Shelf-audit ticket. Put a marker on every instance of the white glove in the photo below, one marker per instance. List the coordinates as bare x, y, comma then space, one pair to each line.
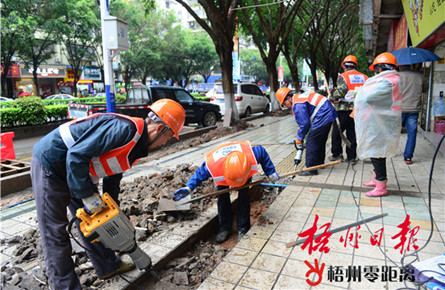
93, 204
274, 177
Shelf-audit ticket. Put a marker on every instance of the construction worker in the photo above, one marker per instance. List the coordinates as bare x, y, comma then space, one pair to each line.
378, 119
231, 164
314, 114
343, 98
65, 168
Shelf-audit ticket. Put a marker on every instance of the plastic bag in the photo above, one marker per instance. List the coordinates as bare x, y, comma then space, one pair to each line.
378, 116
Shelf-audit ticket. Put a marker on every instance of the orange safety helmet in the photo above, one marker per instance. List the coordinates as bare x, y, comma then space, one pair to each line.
237, 168
281, 94
385, 57
349, 58
171, 113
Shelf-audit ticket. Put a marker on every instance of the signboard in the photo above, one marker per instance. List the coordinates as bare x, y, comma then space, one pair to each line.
280, 73
14, 71
423, 18
306, 69
390, 39
91, 73
44, 71
401, 34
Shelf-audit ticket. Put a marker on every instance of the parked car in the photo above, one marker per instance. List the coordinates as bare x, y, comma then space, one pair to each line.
4, 99
59, 97
140, 97
248, 99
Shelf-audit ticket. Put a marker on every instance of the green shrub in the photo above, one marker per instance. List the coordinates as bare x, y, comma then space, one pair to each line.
32, 111
120, 98
6, 104
57, 112
9, 116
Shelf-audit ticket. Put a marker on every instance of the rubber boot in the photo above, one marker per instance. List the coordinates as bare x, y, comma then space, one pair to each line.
379, 190
371, 183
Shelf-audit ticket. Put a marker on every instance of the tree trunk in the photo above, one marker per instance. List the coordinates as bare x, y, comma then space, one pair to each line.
274, 86
36, 81
4, 85
231, 115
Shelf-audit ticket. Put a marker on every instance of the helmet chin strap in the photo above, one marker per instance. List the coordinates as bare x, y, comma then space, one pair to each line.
159, 135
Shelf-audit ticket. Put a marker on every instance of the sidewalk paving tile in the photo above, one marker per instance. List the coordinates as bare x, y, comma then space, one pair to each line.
258, 279
228, 272
241, 256
269, 263
287, 282
211, 284
295, 268
276, 248
251, 243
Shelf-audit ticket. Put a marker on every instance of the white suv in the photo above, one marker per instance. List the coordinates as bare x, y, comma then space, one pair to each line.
248, 99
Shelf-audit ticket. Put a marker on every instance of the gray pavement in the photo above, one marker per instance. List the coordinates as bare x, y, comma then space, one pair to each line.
261, 260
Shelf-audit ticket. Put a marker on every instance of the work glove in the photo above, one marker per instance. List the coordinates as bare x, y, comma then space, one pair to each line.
181, 193
300, 146
93, 204
274, 177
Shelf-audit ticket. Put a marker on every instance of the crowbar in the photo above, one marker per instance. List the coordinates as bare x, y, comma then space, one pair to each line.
294, 243
216, 193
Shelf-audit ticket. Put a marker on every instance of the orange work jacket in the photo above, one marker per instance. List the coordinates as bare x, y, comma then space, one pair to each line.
215, 159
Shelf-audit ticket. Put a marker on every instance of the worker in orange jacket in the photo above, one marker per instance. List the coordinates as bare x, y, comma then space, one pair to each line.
343, 98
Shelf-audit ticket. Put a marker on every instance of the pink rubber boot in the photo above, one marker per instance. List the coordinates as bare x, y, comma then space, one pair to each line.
379, 190
371, 183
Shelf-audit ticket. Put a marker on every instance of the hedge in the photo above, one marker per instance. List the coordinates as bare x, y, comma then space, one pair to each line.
35, 111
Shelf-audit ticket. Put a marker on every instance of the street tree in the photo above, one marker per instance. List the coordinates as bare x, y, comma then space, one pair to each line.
203, 55
220, 25
13, 37
291, 48
269, 26
342, 36
77, 34
253, 65
44, 19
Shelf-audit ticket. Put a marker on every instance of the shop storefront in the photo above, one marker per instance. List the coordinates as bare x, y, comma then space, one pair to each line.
90, 81
48, 78
426, 26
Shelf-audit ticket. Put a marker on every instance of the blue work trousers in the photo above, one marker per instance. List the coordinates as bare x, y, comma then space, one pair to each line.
225, 216
316, 145
409, 120
52, 197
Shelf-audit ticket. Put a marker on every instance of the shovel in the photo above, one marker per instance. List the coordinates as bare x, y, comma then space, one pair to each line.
170, 205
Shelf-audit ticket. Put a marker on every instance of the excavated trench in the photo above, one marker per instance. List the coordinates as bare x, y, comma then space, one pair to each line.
139, 201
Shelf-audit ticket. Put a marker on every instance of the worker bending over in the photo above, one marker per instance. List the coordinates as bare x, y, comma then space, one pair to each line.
343, 97
231, 164
314, 114
66, 166
378, 119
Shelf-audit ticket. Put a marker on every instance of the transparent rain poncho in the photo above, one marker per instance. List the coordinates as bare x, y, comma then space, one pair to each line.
378, 116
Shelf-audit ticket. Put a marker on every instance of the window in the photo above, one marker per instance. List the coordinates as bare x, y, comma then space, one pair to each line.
161, 93
167, 4
183, 97
219, 89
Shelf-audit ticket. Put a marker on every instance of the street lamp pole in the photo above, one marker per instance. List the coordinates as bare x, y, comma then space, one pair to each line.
107, 59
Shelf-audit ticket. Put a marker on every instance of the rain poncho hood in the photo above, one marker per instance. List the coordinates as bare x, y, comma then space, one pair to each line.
378, 116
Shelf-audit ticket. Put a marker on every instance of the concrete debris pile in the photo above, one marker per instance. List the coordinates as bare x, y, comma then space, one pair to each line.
194, 267
138, 200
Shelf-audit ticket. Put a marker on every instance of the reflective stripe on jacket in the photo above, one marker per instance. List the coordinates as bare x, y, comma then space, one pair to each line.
353, 79
110, 163
312, 98
215, 159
